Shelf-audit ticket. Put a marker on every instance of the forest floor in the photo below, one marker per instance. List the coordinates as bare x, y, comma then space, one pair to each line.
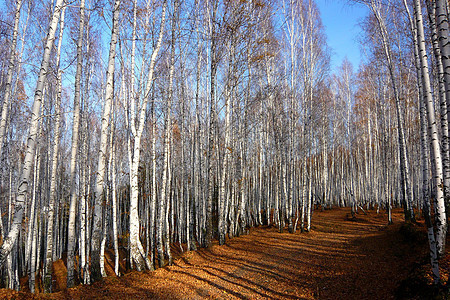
340, 258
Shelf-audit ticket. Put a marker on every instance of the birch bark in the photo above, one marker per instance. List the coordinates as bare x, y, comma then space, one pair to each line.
441, 221
426, 193
212, 125
137, 253
431, 8
9, 75
71, 238
104, 143
50, 216
27, 167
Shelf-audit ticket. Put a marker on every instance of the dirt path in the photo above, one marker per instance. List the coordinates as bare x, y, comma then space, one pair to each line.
339, 259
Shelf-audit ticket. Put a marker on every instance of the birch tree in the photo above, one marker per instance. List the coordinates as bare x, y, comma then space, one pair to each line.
56, 141
212, 123
27, 167
441, 221
9, 75
102, 153
137, 123
74, 151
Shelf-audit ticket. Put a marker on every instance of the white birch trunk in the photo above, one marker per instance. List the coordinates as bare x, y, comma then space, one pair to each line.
32, 227
71, 239
431, 7
84, 268
137, 253
441, 221
227, 151
25, 177
9, 75
114, 209
212, 120
104, 143
51, 213
443, 31
426, 193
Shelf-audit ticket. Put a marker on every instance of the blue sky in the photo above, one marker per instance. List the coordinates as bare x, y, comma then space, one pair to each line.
341, 26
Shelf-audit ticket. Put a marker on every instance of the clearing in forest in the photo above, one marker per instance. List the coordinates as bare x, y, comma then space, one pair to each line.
340, 259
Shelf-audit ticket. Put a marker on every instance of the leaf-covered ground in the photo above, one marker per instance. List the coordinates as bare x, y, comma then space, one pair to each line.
340, 259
